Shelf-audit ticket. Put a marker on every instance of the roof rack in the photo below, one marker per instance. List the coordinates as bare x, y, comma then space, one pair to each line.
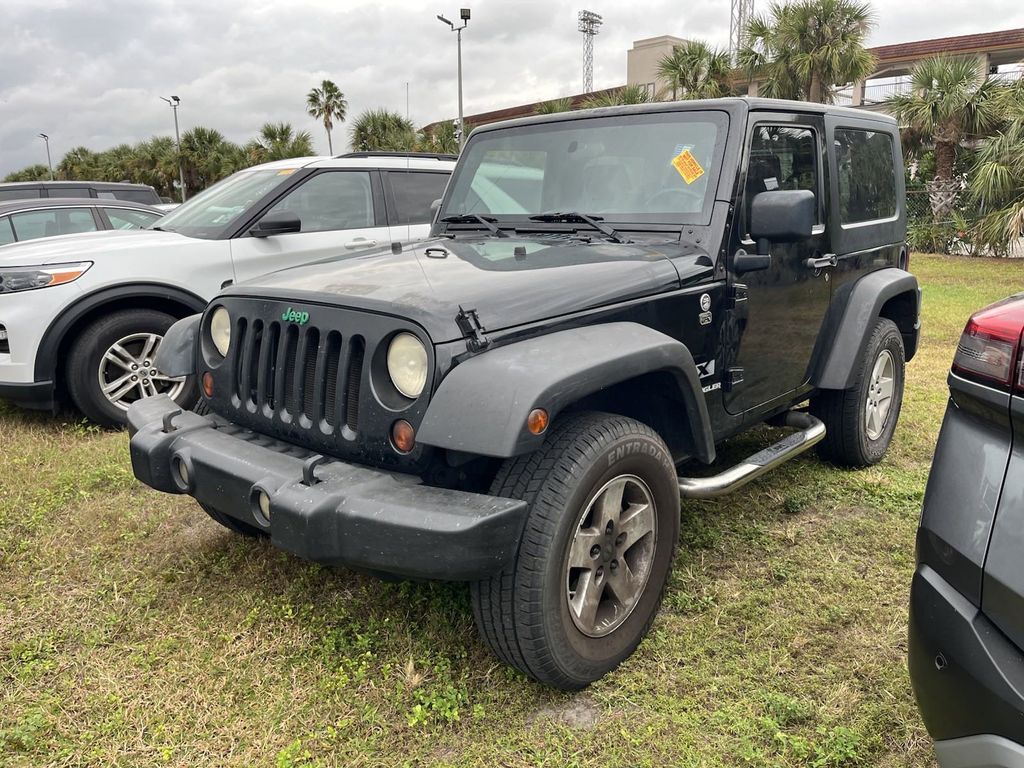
423, 155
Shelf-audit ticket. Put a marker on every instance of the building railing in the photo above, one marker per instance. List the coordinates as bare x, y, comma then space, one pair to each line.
880, 91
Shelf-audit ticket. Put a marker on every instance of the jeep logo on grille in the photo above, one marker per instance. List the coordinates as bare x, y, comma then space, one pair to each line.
294, 316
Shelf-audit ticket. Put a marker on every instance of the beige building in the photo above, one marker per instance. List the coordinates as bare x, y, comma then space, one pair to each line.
642, 62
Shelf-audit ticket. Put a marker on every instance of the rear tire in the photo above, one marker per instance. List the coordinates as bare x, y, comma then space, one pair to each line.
583, 538
860, 421
93, 363
236, 526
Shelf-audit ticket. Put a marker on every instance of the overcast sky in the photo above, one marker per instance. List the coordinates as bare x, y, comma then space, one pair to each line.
91, 72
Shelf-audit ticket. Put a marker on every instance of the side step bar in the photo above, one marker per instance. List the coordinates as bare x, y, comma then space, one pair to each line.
811, 431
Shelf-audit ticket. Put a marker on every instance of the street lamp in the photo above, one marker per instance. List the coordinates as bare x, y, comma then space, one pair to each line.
464, 16
174, 101
49, 164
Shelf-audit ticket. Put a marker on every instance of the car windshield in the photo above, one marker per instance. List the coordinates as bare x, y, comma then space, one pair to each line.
210, 213
634, 168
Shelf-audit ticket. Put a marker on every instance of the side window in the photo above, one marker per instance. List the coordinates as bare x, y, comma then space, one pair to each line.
414, 192
867, 175
20, 193
69, 192
6, 233
781, 157
331, 200
54, 221
125, 218
144, 196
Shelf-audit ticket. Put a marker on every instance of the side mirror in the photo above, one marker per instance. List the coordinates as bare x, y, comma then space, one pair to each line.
276, 223
434, 206
782, 216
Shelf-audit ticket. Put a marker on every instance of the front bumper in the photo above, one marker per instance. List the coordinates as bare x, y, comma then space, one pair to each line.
337, 512
37, 395
968, 678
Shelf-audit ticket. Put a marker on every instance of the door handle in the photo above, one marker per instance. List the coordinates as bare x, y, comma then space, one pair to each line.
828, 260
360, 242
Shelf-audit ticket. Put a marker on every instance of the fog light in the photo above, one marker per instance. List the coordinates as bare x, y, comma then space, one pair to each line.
403, 436
264, 501
182, 471
208, 384
537, 421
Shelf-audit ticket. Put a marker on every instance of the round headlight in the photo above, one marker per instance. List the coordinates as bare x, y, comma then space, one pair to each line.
220, 330
407, 364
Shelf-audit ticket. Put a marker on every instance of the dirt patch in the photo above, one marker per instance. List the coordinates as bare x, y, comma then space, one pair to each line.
580, 713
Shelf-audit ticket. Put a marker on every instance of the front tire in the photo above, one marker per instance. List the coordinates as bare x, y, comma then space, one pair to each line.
860, 421
595, 553
233, 525
111, 366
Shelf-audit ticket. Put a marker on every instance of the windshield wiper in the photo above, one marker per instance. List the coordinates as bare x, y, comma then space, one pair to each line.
593, 221
469, 218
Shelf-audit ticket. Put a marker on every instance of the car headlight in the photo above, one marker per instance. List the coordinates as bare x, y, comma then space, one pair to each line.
220, 330
13, 279
407, 364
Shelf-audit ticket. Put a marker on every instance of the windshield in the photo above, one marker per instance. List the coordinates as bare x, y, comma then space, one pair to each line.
212, 211
638, 168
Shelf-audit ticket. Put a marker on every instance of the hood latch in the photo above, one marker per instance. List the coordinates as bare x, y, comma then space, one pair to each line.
472, 330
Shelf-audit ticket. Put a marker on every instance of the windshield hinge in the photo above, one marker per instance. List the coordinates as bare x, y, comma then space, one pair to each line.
472, 330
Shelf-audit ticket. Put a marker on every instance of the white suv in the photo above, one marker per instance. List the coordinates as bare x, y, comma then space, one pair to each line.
82, 315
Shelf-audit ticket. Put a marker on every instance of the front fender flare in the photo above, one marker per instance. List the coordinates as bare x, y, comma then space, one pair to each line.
482, 405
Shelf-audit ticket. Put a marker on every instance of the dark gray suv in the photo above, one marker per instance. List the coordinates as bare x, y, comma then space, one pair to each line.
967, 599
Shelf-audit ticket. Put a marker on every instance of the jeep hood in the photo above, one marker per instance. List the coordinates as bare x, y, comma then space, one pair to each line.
508, 281
84, 246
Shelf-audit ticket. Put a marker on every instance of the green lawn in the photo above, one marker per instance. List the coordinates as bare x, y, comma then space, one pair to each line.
134, 631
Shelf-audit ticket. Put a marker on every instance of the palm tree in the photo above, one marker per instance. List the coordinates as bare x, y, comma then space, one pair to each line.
31, 173
997, 183
617, 97
950, 99
695, 70
383, 130
78, 163
555, 106
803, 49
442, 139
279, 141
208, 157
327, 104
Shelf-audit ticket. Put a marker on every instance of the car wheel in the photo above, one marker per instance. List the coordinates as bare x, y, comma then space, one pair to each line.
594, 555
237, 526
860, 421
111, 366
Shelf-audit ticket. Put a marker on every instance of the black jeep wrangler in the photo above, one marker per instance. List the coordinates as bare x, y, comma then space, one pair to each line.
607, 296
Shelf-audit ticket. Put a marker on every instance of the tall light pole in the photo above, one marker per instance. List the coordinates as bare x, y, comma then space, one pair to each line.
589, 23
49, 164
464, 16
174, 101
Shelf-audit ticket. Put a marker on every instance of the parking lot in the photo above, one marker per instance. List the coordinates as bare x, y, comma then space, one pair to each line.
135, 631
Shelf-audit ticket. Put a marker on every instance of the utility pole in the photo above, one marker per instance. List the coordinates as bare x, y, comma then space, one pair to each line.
174, 101
49, 164
464, 16
589, 24
742, 12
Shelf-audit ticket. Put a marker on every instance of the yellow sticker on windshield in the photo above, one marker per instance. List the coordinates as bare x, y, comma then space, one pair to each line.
687, 166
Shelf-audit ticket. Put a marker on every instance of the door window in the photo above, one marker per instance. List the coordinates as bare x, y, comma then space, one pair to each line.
20, 193
867, 175
125, 218
331, 201
782, 157
69, 192
6, 233
53, 221
413, 192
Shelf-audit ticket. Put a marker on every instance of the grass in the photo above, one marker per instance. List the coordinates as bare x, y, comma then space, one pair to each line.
136, 632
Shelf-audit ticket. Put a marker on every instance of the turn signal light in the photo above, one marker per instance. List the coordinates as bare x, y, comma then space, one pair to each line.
208, 384
537, 421
403, 436
990, 346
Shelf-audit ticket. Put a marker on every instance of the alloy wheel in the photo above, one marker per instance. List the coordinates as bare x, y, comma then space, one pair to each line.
880, 395
127, 371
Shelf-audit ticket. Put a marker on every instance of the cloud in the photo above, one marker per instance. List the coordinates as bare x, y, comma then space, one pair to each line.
91, 72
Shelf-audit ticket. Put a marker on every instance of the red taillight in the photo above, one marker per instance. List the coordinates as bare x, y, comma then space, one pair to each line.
990, 347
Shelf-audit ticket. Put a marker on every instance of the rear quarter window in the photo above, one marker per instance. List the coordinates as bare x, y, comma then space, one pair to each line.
413, 193
146, 196
867, 175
